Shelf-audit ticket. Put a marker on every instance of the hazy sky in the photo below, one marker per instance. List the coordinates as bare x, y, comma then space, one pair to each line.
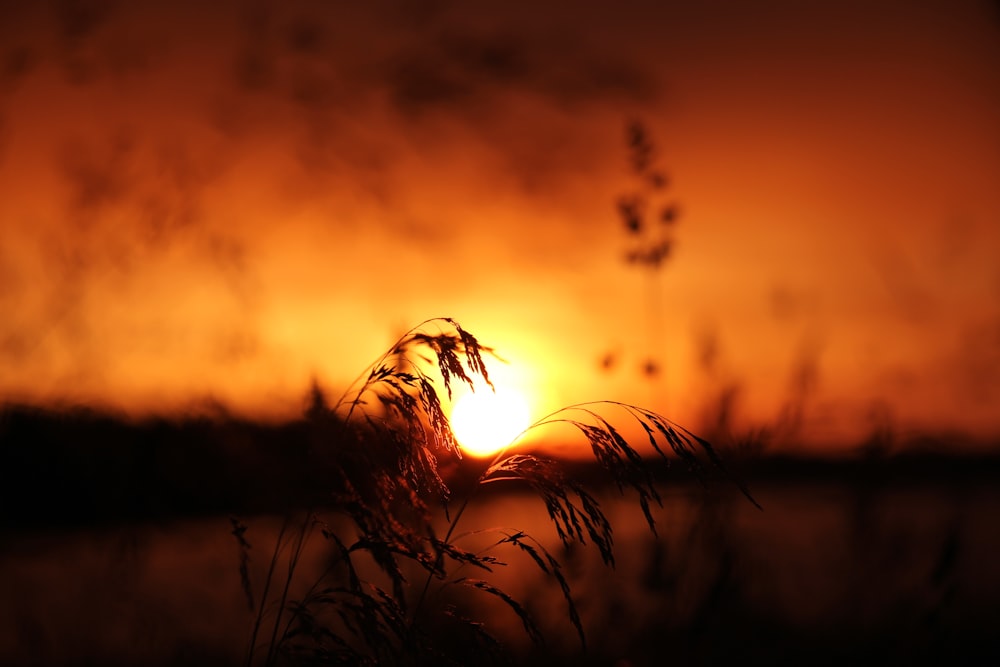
223, 203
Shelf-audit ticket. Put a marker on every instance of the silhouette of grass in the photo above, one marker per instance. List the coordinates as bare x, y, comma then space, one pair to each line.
392, 584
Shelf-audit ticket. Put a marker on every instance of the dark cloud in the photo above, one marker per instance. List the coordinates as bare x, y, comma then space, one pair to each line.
454, 70
442, 66
172, 196
77, 23
306, 35
78, 20
419, 82
96, 173
158, 183
15, 63
87, 40
298, 55
458, 70
134, 206
358, 90
254, 62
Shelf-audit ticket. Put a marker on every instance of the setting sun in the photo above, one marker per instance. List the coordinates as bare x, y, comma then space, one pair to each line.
486, 421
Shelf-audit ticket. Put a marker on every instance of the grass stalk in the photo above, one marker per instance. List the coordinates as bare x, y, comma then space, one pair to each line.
389, 484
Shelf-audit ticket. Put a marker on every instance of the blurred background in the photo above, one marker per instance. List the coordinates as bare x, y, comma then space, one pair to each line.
217, 205
776, 223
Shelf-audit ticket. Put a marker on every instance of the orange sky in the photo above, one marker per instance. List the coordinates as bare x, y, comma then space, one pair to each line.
225, 203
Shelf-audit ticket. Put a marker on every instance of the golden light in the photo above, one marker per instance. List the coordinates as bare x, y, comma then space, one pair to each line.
485, 421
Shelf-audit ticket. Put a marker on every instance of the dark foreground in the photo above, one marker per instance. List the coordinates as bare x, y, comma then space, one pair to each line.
116, 551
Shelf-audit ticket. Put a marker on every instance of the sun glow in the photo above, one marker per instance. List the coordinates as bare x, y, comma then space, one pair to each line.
485, 421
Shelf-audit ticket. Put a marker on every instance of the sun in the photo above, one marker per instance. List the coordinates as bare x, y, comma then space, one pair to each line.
485, 421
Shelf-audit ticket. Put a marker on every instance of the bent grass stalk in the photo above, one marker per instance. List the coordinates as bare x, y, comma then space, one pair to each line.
390, 431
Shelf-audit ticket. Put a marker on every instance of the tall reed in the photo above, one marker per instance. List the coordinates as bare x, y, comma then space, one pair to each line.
381, 598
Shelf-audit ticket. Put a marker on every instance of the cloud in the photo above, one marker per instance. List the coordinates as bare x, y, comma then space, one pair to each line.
210, 184
460, 71
16, 62
333, 65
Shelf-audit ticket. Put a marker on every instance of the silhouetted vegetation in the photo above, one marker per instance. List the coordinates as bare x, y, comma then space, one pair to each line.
394, 580
648, 218
116, 557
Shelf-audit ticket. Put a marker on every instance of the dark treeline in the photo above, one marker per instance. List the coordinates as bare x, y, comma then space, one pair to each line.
61, 469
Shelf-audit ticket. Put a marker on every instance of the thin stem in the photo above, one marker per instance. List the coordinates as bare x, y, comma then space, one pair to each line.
655, 337
452, 525
267, 586
319, 580
292, 566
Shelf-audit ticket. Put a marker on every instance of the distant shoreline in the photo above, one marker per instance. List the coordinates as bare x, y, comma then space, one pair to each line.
81, 468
